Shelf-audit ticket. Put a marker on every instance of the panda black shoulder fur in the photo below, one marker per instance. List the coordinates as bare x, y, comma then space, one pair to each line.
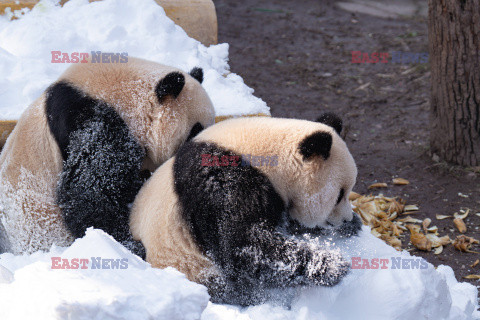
78, 153
223, 224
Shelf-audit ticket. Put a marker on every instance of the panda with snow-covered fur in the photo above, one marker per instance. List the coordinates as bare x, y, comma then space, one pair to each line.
78, 154
232, 226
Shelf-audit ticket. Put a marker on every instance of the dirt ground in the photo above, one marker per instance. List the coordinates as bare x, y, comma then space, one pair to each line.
297, 56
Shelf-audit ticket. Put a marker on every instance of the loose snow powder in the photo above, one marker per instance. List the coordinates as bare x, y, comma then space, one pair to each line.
32, 287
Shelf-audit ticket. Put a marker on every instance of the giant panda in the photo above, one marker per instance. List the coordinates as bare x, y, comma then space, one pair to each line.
81, 151
235, 225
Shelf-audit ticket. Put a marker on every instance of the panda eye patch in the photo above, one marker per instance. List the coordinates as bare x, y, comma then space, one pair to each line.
340, 196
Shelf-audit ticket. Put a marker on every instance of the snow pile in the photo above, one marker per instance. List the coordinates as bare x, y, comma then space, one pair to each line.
135, 292
141, 292
139, 28
412, 293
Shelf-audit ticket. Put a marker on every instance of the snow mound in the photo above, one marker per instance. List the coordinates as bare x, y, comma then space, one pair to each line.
135, 292
139, 28
413, 289
141, 292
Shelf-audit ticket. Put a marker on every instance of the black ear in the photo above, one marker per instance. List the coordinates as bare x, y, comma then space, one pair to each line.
332, 120
172, 84
197, 73
316, 144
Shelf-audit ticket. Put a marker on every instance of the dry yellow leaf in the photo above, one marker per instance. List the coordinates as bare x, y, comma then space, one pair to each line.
473, 276
353, 196
381, 214
438, 250
441, 217
396, 231
413, 228
410, 212
400, 181
378, 185
460, 225
367, 207
410, 220
393, 216
375, 233
461, 216
420, 241
387, 199
475, 263
393, 241
381, 204
395, 206
366, 218
426, 223
436, 241
364, 199
464, 243
433, 229
411, 207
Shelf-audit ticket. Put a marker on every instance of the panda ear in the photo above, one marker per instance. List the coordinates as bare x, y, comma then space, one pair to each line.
172, 84
332, 120
317, 144
197, 73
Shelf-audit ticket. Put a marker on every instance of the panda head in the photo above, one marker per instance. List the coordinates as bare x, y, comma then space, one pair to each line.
162, 106
327, 173
314, 171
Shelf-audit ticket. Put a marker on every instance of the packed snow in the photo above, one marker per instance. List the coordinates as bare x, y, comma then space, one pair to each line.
125, 287
140, 28
135, 291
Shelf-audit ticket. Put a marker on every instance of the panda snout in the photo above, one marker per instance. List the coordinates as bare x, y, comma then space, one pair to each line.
335, 223
350, 218
339, 219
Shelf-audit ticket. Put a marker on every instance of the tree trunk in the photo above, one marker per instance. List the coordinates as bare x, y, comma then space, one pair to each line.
454, 40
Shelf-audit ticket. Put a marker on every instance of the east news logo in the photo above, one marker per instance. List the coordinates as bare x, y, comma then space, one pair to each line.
393, 263
383, 57
97, 57
92, 263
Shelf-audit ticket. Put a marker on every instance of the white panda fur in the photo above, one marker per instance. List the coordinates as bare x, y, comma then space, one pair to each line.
31, 161
306, 187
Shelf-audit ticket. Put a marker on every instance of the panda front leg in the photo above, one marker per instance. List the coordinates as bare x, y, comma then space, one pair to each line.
269, 259
276, 260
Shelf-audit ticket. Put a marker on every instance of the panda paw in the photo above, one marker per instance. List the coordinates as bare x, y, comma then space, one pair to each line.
327, 268
350, 228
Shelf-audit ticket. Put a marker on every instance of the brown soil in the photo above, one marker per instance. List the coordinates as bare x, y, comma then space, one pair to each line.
297, 57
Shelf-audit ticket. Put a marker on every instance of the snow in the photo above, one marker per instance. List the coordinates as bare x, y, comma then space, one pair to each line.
138, 27
137, 292
30, 288
142, 292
